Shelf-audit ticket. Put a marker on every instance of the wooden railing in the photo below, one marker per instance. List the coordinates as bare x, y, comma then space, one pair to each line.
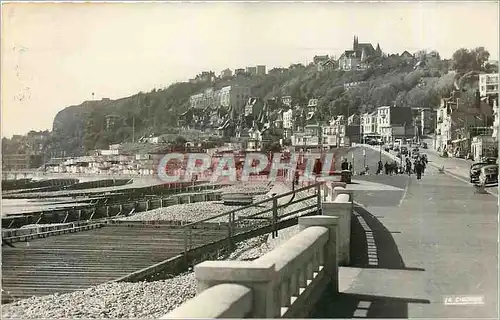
273, 210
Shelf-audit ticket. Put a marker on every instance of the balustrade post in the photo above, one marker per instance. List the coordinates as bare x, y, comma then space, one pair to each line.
318, 194
330, 250
275, 216
341, 208
261, 278
185, 245
230, 223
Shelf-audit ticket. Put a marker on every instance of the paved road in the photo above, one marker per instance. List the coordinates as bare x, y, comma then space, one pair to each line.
372, 189
439, 238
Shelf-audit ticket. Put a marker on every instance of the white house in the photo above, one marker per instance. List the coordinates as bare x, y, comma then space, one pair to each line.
288, 119
369, 125
488, 84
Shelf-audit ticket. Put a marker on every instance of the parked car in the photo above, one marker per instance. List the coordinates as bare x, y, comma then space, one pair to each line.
490, 160
475, 171
387, 148
396, 148
489, 175
424, 145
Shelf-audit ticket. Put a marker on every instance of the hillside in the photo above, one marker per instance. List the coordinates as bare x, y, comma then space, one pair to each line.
388, 80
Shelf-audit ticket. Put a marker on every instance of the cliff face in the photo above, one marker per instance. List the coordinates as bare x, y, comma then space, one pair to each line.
68, 130
77, 129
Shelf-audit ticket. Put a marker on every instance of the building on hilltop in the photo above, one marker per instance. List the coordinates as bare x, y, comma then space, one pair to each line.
261, 70
226, 73
329, 64
358, 57
407, 56
319, 59
252, 70
239, 72
324, 62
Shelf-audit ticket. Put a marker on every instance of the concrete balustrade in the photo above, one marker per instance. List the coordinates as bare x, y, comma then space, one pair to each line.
235, 301
286, 282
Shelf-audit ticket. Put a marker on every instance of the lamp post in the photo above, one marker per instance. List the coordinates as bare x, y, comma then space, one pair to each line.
364, 158
380, 144
380, 152
352, 156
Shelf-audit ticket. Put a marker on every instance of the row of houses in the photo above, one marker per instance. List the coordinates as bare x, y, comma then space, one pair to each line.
385, 123
113, 161
390, 123
463, 129
209, 76
235, 96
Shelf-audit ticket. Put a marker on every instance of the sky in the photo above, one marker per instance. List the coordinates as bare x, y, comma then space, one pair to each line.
56, 55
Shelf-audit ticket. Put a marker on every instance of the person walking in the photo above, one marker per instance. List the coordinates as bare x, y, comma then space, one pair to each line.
386, 166
318, 166
344, 165
380, 167
350, 166
408, 166
418, 169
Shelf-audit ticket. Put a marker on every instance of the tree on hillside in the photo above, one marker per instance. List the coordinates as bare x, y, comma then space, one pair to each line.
383, 95
465, 60
180, 141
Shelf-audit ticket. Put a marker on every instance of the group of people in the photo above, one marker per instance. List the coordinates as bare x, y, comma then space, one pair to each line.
393, 167
390, 168
417, 167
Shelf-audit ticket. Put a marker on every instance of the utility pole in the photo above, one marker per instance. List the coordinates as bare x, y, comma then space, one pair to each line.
380, 152
364, 159
133, 128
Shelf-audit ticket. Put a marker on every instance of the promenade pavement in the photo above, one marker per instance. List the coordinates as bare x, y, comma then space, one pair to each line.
411, 249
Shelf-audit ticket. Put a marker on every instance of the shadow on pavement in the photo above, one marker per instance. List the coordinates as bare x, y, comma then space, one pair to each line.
387, 250
348, 305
